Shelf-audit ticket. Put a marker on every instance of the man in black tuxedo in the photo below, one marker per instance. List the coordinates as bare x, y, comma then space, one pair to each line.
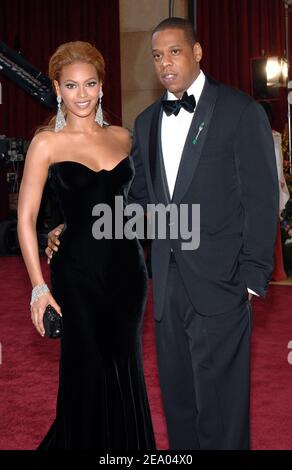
213, 147
216, 150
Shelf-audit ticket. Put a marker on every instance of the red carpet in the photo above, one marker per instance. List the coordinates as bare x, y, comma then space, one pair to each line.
29, 368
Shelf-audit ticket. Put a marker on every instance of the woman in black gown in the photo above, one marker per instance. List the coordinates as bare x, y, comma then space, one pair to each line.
99, 286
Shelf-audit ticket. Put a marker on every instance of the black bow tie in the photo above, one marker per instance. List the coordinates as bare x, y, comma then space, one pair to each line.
187, 102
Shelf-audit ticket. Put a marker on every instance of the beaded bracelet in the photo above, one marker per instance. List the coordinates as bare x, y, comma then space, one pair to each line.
38, 291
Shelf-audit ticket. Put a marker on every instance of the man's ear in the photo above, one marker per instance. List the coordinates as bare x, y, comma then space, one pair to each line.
197, 52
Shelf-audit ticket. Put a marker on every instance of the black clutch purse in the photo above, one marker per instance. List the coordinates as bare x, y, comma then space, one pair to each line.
53, 323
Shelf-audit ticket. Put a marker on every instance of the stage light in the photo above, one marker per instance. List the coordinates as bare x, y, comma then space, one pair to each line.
277, 72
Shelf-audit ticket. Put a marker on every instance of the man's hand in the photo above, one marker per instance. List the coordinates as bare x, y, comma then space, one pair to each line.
53, 241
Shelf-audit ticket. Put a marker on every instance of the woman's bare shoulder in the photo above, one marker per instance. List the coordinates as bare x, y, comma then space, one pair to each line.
120, 132
43, 146
43, 138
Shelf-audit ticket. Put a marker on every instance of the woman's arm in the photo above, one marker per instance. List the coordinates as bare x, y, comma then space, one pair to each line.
32, 185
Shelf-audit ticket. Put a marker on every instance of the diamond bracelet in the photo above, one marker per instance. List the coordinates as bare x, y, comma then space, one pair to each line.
38, 291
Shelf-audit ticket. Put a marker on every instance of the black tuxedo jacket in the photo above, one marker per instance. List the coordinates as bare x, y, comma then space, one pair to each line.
231, 172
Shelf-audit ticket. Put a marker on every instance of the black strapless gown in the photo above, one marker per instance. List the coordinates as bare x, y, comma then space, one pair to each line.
101, 286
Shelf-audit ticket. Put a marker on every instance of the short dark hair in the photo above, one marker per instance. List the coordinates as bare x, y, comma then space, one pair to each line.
178, 23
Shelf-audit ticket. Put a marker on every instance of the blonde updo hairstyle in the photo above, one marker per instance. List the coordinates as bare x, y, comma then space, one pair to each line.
66, 54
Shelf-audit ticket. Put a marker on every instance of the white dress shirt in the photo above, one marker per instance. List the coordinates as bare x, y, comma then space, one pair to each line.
174, 131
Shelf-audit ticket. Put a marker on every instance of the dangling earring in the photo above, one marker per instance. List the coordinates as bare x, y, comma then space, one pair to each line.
60, 118
99, 113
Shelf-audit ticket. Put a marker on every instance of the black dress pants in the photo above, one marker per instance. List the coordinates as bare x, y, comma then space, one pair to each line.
204, 372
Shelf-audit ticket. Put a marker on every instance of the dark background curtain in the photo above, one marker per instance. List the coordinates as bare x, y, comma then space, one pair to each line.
36, 28
234, 31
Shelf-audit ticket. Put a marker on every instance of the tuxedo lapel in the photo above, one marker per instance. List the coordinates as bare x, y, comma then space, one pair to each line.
195, 139
155, 122
156, 163
161, 169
